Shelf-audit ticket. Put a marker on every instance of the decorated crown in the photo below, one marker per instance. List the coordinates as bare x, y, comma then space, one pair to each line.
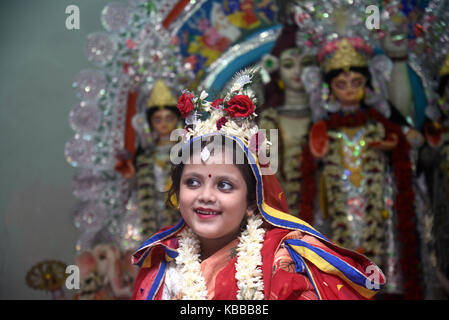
161, 96
344, 53
232, 115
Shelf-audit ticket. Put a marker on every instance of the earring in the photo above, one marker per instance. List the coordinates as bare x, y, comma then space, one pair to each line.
333, 105
281, 84
360, 94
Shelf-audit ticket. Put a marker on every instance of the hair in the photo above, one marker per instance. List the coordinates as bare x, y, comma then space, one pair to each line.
245, 170
274, 96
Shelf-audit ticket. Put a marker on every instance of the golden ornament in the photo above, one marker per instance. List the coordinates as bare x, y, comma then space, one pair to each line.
344, 58
161, 96
47, 275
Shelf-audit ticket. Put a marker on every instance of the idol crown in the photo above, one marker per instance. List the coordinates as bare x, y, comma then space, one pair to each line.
344, 53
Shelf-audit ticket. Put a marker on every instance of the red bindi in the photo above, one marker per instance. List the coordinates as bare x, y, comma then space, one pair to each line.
210, 176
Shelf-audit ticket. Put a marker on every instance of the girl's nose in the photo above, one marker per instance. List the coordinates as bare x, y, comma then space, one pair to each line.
207, 195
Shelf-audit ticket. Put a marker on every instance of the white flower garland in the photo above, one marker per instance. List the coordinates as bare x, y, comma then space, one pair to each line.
248, 266
188, 266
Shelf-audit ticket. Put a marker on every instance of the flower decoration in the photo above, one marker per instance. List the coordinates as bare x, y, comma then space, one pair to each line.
248, 267
185, 104
233, 115
221, 122
217, 103
270, 63
240, 106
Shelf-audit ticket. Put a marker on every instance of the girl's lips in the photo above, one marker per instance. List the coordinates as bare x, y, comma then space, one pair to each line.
206, 213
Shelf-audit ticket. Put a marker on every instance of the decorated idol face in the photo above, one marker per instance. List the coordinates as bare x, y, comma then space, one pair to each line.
291, 65
164, 122
348, 88
395, 42
213, 198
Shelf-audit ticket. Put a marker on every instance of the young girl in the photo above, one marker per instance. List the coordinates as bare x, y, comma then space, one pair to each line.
235, 239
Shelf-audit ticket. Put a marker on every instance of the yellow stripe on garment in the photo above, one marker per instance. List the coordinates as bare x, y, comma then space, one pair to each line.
284, 216
274, 213
312, 278
147, 262
325, 266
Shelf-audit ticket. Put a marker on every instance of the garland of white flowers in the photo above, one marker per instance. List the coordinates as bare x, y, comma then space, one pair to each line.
248, 266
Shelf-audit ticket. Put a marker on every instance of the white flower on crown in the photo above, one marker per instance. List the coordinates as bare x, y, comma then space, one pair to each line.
220, 118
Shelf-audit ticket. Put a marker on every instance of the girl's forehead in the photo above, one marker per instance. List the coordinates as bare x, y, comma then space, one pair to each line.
212, 170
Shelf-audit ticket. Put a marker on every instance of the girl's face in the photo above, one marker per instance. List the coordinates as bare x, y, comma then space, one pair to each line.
348, 88
291, 66
213, 198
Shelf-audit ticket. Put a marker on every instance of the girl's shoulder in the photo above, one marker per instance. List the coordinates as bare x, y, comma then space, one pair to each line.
326, 263
161, 243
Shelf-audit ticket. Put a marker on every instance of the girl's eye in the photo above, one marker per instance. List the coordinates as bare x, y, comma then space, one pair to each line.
224, 185
192, 183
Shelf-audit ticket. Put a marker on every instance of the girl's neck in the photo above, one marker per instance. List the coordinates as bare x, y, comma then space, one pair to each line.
210, 246
296, 98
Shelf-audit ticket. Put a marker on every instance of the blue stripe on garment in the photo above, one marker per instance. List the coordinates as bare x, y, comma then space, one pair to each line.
157, 281
350, 272
309, 274
158, 237
163, 234
297, 259
171, 253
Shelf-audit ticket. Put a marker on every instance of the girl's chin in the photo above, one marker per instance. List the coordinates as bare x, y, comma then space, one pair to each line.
208, 230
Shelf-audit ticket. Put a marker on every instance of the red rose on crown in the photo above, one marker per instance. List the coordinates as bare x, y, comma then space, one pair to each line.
240, 106
216, 103
185, 104
221, 122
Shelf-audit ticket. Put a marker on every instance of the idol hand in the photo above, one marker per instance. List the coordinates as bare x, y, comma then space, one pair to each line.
388, 144
319, 139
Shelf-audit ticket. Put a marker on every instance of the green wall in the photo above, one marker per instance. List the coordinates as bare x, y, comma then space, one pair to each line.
39, 59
